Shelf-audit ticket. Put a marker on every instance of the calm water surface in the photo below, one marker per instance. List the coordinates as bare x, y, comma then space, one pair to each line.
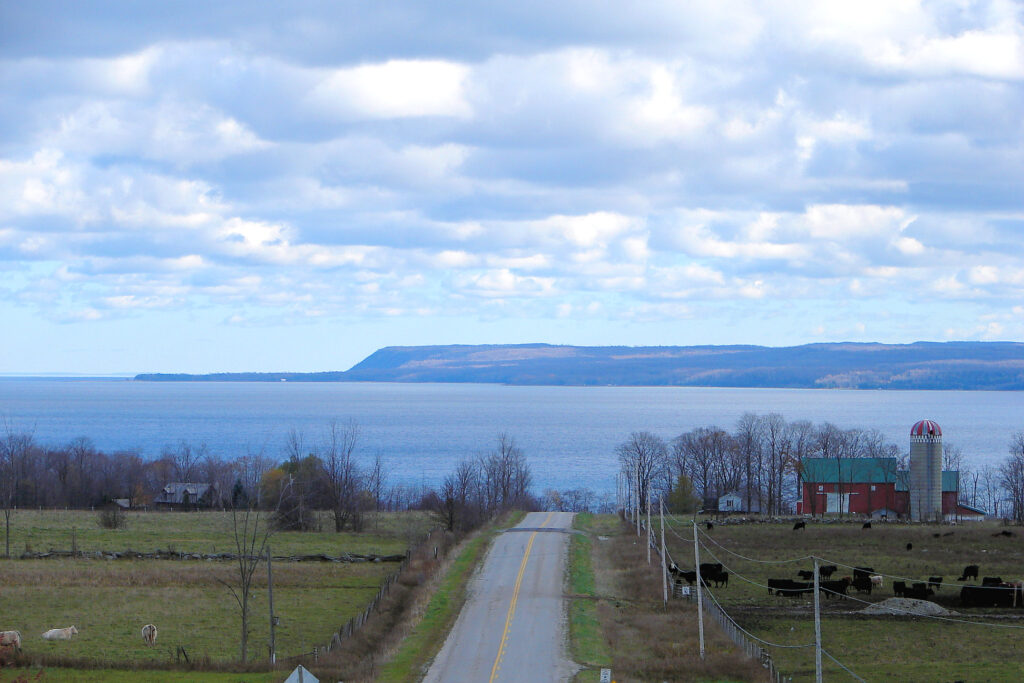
569, 434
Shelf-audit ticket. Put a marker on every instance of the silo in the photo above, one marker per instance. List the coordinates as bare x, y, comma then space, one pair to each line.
926, 472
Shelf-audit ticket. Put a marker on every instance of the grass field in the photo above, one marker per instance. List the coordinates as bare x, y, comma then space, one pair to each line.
110, 600
203, 532
929, 649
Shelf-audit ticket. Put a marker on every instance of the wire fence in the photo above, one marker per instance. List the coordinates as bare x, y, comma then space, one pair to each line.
750, 648
353, 625
743, 639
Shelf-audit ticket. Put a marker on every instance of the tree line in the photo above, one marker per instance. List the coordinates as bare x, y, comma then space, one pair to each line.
761, 459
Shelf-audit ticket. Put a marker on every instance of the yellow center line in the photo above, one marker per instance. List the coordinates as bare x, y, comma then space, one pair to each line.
515, 599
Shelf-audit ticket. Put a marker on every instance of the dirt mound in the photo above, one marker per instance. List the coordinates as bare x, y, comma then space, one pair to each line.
907, 606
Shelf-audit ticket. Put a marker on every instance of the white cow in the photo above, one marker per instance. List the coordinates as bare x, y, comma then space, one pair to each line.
876, 580
8, 638
149, 634
60, 633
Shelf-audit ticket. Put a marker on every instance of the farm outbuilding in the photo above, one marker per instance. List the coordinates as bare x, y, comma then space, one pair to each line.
866, 486
185, 496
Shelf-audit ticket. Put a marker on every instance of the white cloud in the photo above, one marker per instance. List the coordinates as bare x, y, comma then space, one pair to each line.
394, 89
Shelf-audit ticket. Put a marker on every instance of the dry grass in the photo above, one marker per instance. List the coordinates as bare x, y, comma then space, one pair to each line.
647, 641
360, 657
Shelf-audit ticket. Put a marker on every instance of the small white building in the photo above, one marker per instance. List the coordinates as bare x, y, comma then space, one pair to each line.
730, 502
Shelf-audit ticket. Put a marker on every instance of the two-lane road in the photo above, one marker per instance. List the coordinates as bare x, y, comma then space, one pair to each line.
513, 625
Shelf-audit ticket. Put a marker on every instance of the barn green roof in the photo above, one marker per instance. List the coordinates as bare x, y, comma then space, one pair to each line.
865, 471
852, 470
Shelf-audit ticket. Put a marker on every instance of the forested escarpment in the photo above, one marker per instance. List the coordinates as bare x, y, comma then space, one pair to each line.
922, 365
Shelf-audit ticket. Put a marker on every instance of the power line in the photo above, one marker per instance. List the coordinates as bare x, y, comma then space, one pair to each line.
924, 616
894, 576
751, 559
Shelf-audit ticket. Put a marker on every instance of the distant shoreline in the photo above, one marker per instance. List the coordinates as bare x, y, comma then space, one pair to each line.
948, 366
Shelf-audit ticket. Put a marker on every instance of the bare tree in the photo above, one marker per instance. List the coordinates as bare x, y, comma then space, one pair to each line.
1011, 476
506, 476
749, 434
342, 474
644, 461
185, 457
251, 534
991, 491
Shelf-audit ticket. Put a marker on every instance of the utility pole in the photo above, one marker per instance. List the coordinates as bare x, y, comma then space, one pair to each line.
817, 626
636, 507
270, 599
700, 593
664, 568
649, 533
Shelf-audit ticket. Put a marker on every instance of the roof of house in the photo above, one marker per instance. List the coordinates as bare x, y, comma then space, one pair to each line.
175, 492
866, 471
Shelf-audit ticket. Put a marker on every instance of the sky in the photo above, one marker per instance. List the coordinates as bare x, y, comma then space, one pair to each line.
268, 186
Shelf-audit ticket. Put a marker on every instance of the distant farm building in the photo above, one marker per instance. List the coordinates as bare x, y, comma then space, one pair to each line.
735, 502
876, 487
186, 496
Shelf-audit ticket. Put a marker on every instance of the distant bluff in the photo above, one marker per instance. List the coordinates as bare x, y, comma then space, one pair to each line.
921, 365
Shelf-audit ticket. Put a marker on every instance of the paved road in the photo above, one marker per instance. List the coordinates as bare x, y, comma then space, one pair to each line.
513, 626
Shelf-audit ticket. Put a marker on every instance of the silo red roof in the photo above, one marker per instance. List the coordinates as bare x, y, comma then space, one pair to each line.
926, 428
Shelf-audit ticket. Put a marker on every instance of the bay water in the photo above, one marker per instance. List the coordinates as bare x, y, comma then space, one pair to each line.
569, 434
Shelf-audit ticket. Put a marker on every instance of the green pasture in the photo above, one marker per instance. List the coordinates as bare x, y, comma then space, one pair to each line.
879, 647
110, 601
55, 675
882, 548
204, 532
890, 649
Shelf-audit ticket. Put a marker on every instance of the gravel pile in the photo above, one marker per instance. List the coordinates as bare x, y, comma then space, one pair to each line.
904, 606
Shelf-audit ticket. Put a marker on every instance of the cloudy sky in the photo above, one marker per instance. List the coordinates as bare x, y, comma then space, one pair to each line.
290, 186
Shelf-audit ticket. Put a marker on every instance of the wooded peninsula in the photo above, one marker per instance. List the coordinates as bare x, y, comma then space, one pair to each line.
921, 365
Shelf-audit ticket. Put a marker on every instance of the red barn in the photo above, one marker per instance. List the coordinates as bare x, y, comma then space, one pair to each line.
865, 486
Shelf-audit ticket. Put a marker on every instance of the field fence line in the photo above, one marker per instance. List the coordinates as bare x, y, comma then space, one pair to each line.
353, 625
130, 554
745, 641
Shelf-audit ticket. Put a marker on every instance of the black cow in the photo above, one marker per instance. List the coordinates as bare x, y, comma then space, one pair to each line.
710, 568
1004, 532
799, 525
710, 525
690, 577
898, 587
837, 587
867, 525
991, 581
922, 593
987, 596
805, 574
827, 570
789, 588
864, 572
935, 581
970, 571
910, 546
720, 579
862, 584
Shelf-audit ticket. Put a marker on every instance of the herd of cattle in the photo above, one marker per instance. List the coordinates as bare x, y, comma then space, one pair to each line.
12, 639
993, 591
